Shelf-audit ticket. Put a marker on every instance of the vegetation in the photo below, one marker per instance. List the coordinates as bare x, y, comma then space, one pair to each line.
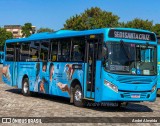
96, 18
27, 29
91, 19
4, 35
139, 23
156, 29
44, 30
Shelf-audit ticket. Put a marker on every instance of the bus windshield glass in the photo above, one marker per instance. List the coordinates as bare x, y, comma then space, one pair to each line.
130, 58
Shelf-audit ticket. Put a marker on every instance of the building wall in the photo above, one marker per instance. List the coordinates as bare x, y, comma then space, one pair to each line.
16, 30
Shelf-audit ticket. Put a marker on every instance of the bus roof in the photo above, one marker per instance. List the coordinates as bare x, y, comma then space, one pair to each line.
69, 33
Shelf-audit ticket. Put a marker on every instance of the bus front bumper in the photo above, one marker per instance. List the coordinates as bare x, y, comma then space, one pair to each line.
128, 96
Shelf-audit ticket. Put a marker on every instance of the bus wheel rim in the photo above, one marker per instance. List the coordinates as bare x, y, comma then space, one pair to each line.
78, 95
25, 88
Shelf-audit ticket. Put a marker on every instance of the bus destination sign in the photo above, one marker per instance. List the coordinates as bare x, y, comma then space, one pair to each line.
135, 35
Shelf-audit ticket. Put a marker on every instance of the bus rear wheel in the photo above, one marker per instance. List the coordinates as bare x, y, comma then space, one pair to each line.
78, 96
25, 87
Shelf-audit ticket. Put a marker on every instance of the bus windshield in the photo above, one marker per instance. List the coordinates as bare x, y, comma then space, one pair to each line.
130, 58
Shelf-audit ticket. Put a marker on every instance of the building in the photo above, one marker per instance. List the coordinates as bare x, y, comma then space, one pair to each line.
33, 29
17, 30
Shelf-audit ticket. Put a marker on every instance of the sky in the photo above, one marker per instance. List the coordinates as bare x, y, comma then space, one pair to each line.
54, 13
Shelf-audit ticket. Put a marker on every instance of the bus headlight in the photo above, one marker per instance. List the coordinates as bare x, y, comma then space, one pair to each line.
153, 88
111, 86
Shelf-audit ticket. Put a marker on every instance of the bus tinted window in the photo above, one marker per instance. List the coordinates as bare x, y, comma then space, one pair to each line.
34, 51
78, 49
54, 50
64, 50
25, 52
10, 52
44, 51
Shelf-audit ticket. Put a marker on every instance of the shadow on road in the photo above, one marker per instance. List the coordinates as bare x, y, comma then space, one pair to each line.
158, 93
43, 96
16, 91
132, 107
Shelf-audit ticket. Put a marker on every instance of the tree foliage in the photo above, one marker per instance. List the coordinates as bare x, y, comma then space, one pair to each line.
26, 29
44, 30
156, 29
142, 24
4, 35
139, 23
91, 19
96, 18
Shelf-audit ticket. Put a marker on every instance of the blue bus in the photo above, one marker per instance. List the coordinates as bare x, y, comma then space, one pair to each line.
111, 65
158, 63
1, 57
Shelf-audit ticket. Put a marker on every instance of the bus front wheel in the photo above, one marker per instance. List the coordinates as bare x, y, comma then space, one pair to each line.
25, 87
78, 96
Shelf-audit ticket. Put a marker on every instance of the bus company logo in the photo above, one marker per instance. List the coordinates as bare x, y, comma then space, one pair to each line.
6, 120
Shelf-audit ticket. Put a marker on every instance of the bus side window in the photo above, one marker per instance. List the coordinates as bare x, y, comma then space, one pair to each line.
25, 52
64, 50
78, 49
54, 50
76, 53
44, 51
34, 51
10, 52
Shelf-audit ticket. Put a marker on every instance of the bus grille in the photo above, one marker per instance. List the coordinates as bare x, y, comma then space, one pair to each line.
134, 80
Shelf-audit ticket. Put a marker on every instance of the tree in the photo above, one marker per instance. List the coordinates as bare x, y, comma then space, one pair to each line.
156, 29
44, 30
91, 19
4, 35
139, 23
26, 29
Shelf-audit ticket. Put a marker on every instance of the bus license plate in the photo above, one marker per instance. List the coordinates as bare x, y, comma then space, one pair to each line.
135, 96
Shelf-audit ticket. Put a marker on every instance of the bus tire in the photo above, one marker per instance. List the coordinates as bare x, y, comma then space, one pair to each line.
78, 96
25, 87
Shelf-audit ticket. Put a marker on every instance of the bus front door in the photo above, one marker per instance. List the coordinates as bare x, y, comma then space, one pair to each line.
91, 69
15, 66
